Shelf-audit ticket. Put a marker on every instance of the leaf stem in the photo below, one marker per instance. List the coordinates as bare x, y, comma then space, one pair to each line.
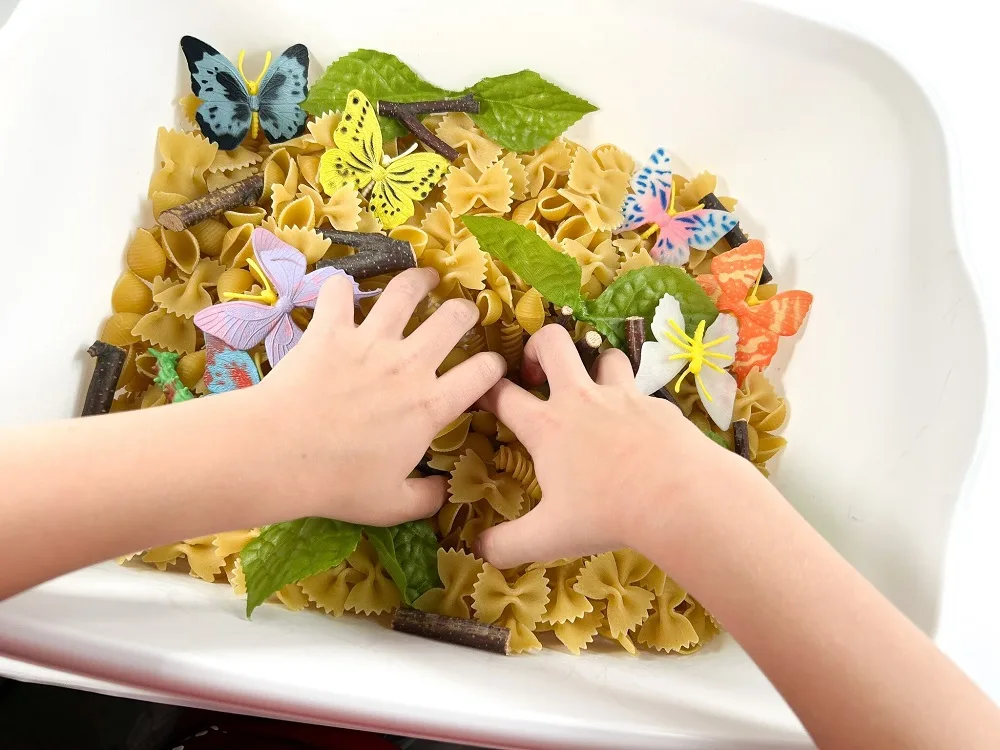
407, 113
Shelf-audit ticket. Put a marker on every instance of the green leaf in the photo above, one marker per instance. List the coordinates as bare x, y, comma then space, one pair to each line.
286, 553
638, 292
717, 438
522, 111
409, 553
557, 277
378, 75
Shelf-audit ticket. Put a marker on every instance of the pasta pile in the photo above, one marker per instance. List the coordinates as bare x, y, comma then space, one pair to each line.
568, 195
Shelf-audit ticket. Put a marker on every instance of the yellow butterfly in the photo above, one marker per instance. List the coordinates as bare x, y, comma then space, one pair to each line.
358, 161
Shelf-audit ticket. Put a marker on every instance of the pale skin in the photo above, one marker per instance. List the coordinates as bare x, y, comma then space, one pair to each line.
855, 670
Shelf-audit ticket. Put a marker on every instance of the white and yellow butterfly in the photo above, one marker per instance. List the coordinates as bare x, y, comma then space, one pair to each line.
358, 161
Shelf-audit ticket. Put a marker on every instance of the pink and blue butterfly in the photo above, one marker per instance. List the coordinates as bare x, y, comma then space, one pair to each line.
228, 369
653, 204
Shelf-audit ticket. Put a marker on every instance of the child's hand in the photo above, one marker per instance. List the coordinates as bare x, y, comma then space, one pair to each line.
617, 468
351, 409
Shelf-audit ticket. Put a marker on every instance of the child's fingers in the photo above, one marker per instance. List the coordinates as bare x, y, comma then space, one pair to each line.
418, 498
613, 368
335, 304
515, 407
550, 354
396, 304
533, 537
465, 384
439, 334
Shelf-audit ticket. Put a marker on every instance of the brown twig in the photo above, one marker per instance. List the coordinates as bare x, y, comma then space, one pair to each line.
635, 337
741, 438
377, 254
736, 236
407, 113
104, 382
470, 633
243, 193
564, 316
589, 347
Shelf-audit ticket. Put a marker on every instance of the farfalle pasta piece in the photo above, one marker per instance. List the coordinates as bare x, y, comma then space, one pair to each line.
185, 158
459, 131
131, 295
165, 330
690, 192
702, 622
292, 597
153, 396
309, 166
639, 259
610, 156
577, 228
202, 557
600, 215
374, 592
758, 404
565, 603
281, 179
192, 296
498, 281
459, 572
239, 158
543, 163
189, 104
519, 606
462, 265
598, 266
230, 543
577, 634
518, 175
342, 210
471, 480
441, 228
611, 577
624, 639
145, 256
666, 629
607, 186
330, 589
492, 190
321, 129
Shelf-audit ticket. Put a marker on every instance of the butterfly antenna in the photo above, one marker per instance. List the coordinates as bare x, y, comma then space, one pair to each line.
252, 86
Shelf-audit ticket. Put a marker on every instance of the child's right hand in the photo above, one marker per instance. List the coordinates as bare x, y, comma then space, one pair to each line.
617, 468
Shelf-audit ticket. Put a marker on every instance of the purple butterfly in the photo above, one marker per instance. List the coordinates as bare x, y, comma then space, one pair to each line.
246, 321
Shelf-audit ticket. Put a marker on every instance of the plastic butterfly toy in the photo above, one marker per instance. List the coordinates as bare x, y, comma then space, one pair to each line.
228, 369
251, 318
233, 105
653, 203
732, 285
359, 160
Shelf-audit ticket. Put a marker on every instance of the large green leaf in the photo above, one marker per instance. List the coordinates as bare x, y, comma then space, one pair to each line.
637, 293
556, 276
409, 553
378, 75
522, 111
287, 552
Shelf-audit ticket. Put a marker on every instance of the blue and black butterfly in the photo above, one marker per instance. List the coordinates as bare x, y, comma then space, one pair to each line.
233, 105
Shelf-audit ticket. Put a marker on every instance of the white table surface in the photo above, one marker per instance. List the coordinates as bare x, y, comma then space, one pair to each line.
952, 51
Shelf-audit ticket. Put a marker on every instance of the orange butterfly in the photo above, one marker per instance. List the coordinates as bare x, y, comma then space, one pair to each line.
732, 285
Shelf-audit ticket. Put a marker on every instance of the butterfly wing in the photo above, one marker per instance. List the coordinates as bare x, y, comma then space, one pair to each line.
240, 324
282, 89
783, 313
704, 227
359, 147
756, 347
738, 270
284, 265
281, 339
655, 176
224, 115
671, 248
652, 186
307, 292
407, 179
227, 369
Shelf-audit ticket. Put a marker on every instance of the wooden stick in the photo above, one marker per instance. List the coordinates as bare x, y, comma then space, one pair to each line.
470, 633
104, 382
635, 337
735, 237
377, 254
564, 317
741, 438
407, 113
243, 193
589, 347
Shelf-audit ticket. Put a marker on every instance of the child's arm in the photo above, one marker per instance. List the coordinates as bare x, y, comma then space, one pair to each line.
334, 431
623, 470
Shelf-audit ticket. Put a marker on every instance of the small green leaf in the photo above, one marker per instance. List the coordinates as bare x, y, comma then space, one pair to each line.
638, 292
378, 75
557, 277
522, 111
717, 438
409, 553
286, 553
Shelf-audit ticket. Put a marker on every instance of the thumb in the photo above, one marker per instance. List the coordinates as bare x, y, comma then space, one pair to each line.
417, 498
531, 538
